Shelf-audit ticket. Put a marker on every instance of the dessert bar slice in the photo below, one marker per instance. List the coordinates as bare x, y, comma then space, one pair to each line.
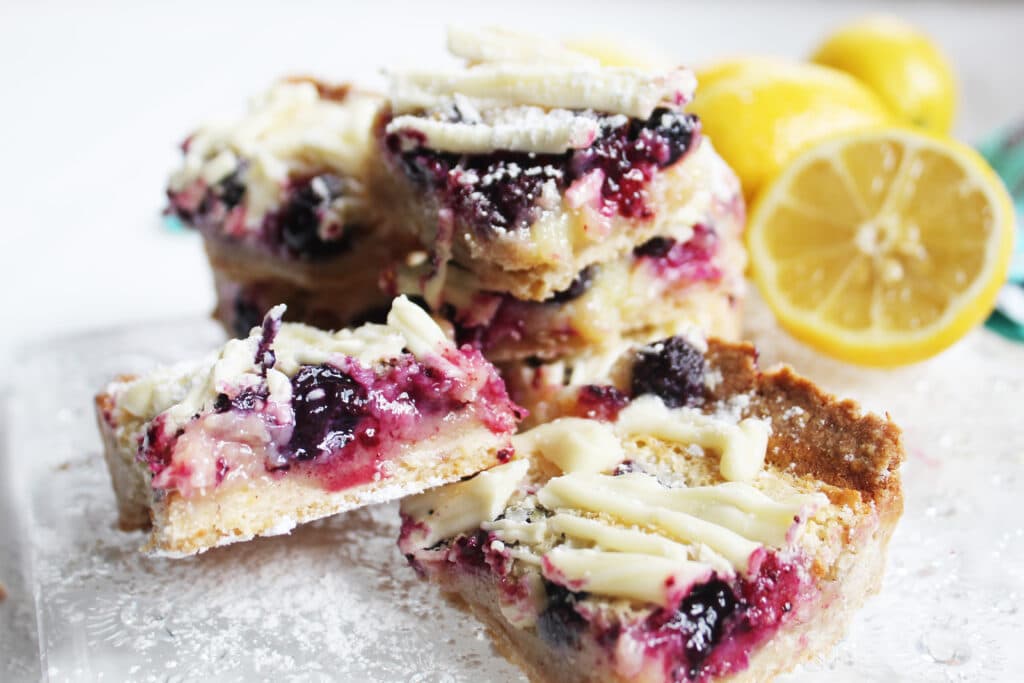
721, 534
692, 277
293, 423
525, 168
280, 197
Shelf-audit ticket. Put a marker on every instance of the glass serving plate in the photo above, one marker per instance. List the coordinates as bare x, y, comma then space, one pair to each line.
336, 601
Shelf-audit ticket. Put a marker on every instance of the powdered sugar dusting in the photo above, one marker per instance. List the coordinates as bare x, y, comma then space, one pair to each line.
334, 600
331, 600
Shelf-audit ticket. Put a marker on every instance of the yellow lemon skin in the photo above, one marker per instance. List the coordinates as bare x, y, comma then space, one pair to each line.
901, 65
761, 114
882, 248
708, 75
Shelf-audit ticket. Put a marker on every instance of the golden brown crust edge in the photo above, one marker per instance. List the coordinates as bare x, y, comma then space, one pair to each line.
842, 446
128, 482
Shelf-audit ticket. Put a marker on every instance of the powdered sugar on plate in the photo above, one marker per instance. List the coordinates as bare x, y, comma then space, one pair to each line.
334, 600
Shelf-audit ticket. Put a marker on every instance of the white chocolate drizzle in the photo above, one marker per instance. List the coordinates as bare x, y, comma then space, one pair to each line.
632, 535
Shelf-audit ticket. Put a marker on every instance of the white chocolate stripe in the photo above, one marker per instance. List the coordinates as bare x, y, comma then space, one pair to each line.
573, 492
422, 335
632, 576
573, 444
455, 509
742, 447
735, 506
184, 391
608, 537
513, 531
552, 133
613, 90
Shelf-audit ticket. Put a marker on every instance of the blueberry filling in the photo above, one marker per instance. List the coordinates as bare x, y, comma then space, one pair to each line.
328, 405
701, 619
472, 549
490, 192
560, 624
577, 288
718, 625
656, 247
501, 190
247, 399
231, 190
299, 219
222, 404
672, 370
689, 261
293, 230
600, 401
628, 156
669, 134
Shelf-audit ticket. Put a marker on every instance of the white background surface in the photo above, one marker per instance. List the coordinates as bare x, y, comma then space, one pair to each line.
95, 98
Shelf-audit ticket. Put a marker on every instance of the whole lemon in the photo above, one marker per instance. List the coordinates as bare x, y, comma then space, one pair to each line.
761, 112
710, 74
899, 63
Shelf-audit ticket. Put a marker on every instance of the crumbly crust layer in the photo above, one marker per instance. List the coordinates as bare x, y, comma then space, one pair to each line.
268, 506
814, 433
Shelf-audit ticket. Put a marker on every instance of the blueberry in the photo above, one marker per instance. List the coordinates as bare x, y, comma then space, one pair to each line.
486, 191
560, 624
222, 404
248, 398
669, 134
701, 619
232, 189
656, 247
328, 405
671, 369
472, 548
299, 218
576, 288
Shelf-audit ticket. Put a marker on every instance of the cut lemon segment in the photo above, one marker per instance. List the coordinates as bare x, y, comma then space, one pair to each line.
884, 247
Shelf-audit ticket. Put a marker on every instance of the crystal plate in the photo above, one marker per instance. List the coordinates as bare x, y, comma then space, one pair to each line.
336, 601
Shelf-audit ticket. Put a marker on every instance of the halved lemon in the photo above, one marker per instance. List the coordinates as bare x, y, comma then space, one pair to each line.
883, 247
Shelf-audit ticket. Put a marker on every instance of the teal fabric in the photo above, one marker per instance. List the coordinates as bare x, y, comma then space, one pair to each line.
1005, 152
1005, 325
173, 223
